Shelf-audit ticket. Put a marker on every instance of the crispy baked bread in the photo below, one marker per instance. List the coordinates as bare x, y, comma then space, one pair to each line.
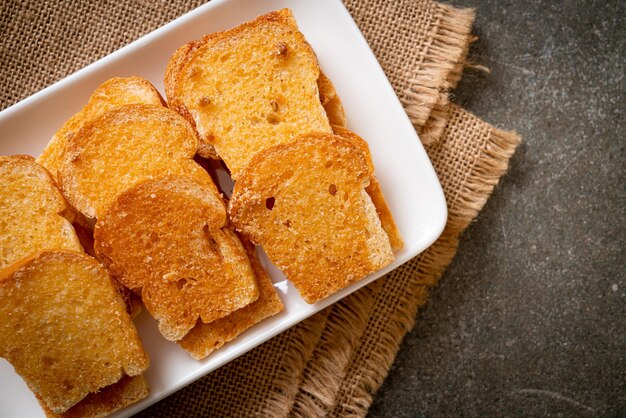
32, 211
374, 190
305, 203
64, 328
172, 72
115, 92
167, 240
331, 102
203, 339
384, 214
248, 88
124, 147
110, 399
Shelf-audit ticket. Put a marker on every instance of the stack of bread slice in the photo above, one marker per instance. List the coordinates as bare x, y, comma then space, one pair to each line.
160, 222
112, 93
63, 324
123, 182
304, 185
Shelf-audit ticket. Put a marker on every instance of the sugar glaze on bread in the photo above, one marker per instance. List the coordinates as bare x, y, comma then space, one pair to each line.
167, 240
248, 88
305, 203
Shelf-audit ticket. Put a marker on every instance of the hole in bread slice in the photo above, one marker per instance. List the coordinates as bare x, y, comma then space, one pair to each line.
329, 243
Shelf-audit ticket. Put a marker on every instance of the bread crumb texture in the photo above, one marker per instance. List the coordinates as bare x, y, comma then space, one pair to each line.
31, 208
248, 88
64, 328
374, 190
167, 240
305, 203
114, 92
203, 339
122, 148
108, 400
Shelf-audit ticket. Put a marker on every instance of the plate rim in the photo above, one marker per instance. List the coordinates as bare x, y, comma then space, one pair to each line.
408, 252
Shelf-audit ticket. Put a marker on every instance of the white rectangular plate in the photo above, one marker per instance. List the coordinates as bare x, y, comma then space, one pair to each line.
373, 110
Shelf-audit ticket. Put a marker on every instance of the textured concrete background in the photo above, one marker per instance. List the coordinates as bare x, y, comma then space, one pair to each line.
530, 318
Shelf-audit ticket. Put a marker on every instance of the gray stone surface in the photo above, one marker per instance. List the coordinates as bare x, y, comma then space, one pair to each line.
529, 320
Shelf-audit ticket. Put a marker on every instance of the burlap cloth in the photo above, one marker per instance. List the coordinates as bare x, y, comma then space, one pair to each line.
332, 363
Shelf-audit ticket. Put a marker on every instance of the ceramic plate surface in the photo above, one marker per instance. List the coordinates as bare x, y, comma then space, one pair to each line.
373, 111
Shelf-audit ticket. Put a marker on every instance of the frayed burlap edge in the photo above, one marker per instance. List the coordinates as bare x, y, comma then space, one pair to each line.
478, 185
286, 380
325, 375
439, 72
435, 126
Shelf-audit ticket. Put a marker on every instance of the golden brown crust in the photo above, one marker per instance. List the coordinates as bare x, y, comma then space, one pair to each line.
166, 240
331, 102
358, 142
124, 147
384, 213
127, 391
374, 190
114, 92
64, 328
172, 75
203, 339
33, 212
305, 203
172, 72
242, 102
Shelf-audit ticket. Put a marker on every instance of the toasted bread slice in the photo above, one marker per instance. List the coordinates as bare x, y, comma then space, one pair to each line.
64, 327
115, 92
331, 102
166, 239
32, 211
203, 339
384, 214
124, 147
180, 57
305, 203
248, 88
110, 399
374, 190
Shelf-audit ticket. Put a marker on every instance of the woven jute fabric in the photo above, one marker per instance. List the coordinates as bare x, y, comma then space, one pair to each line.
421, 45
332, 363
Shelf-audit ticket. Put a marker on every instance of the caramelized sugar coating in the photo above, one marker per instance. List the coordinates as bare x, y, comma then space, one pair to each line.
65, 329
167, 240
248, 88
305, 203
33, 212
114, 92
